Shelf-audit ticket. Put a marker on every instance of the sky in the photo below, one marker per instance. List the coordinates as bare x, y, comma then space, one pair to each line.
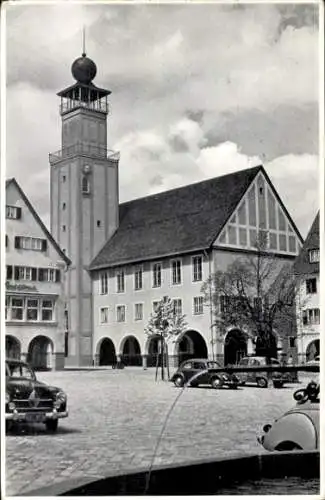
198, 91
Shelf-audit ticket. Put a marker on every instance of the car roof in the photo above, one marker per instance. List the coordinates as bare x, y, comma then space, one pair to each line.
204, 360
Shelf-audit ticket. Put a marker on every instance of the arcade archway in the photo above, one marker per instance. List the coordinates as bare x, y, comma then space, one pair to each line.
131, 352
106, 352
40, 352
13, 347
235, 347
312, 350
191, 345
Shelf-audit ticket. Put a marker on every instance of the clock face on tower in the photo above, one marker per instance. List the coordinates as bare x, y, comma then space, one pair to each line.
86, 169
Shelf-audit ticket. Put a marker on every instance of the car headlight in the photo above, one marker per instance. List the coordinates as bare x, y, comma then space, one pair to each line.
60, 398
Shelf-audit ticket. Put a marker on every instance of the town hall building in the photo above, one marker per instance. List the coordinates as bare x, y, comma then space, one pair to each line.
126, 257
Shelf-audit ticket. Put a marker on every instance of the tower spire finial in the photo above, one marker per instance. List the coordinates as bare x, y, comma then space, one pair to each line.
83, 41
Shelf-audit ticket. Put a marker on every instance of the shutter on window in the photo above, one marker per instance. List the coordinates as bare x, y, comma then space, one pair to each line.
17, 241
41, 274
7, 240
57, 276
34, 274
44, 245
9, 272
16, 273
18, 212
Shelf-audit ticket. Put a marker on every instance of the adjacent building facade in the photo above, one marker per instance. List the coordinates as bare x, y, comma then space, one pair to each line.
35, 276
308, 303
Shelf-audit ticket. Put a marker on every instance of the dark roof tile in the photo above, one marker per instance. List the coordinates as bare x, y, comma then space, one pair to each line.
181, 220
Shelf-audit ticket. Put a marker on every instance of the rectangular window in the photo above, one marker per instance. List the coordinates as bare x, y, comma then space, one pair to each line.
198, 305
282, 221
197, 268
272, 210
311, 317
120, 281
17, 309
292, 341
138, 312
13, 212
156, 275
252, 207
273, 241
120, 314
32, 309
47, 310
283, 242
103, 283
232, 235
138, 278
177, 307
242, 237
104, 315
176, 272
242, 214
224, 304
314, 255
311, 285
28, 243
292, 244
155, 305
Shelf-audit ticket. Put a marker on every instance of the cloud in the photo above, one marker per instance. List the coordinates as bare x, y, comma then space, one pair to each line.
197, 90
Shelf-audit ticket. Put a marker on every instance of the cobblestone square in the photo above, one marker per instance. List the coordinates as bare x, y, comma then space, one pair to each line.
116, 417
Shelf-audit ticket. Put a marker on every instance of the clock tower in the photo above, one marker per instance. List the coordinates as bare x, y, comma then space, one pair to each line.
84, 199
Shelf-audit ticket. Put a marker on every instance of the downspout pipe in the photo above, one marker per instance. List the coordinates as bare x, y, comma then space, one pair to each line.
208, 256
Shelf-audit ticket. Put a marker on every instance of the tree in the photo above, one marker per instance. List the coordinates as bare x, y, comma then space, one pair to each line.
167, 324
256, 294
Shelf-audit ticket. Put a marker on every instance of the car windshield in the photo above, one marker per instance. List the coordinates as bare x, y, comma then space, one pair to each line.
20, 371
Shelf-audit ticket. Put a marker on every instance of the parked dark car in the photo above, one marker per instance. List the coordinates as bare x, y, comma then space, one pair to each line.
298, 428
29, 400
203, 371
261, 378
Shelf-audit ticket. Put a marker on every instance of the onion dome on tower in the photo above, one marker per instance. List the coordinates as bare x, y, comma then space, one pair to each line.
84, 69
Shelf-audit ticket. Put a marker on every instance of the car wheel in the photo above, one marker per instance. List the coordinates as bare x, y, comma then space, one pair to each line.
179, 381
277, 385
52, 425
216, 382
262, 382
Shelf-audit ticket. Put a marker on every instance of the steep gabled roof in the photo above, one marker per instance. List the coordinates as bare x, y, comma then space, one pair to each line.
302, 264
177, 221
38, 219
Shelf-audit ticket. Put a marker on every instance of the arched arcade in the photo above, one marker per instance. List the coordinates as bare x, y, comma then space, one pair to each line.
13, 347
130, 351
40, 352
105, 352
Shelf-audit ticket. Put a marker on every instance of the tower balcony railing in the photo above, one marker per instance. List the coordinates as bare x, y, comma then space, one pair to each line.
81, 148
68, 105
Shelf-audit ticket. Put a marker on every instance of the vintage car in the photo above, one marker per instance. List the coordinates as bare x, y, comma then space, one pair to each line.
298, 428
196, 372
29, 400
261, 378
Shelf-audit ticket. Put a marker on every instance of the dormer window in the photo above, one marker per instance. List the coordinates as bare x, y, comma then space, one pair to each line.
85, 186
